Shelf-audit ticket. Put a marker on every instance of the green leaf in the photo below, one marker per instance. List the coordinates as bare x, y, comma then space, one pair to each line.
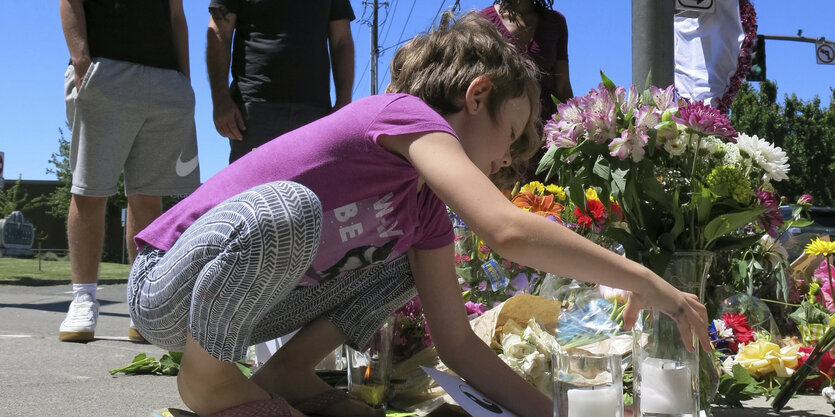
606, 81
727, 223
726, 243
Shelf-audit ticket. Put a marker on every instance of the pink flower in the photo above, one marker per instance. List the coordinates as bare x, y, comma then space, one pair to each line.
771, 219
702, 118
824, 276
805, 200
611, 294
664, 99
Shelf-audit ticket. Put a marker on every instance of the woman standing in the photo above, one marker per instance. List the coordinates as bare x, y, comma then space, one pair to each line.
541, 34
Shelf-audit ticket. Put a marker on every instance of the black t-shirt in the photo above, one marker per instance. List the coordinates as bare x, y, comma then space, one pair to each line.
280, 48
136, 31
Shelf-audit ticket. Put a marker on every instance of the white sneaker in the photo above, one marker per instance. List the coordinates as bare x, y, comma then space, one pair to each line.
80, 323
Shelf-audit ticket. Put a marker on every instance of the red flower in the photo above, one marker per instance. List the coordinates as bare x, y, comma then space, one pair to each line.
616, 210
825, 366
597, 210
743, 333
582, 220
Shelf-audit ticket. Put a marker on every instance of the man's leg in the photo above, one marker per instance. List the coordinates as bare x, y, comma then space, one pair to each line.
142, 210
85, 235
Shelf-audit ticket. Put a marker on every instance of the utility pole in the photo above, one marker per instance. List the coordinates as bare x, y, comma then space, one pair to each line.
375, 50
652, 41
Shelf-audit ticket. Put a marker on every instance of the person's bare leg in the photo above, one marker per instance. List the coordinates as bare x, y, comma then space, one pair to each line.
207, 385
142, 210
85, 235
290, 371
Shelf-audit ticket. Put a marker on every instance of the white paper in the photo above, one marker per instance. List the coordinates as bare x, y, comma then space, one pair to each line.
466, 396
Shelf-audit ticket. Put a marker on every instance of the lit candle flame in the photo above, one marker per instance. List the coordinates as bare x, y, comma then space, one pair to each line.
367, 375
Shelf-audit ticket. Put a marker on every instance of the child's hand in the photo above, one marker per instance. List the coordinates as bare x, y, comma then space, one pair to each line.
690, 315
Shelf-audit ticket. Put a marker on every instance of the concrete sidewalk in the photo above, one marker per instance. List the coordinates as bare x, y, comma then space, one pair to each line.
40, 376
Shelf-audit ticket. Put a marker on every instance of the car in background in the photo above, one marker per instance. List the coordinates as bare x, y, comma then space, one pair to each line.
796, 238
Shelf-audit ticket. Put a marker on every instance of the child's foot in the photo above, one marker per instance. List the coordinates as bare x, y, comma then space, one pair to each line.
209, 387
310, 394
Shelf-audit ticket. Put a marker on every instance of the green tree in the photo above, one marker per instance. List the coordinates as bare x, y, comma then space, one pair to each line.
805, 131
13, 199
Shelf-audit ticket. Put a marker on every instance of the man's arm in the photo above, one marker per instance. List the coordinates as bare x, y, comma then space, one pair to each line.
342, 59
74, 24
563, 82
227, 116
180, 30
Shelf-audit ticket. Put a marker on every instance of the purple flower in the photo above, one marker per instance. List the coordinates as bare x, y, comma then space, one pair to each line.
475, 308
771, 219
562, 134
805, 200
702, 118
629, 144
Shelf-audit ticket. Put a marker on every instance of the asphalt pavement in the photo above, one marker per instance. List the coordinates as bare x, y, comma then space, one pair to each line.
41, 376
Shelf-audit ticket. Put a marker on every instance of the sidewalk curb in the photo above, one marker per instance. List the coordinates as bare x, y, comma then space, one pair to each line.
40, 282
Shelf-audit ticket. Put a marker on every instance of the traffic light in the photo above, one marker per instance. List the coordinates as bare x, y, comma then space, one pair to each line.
757, 70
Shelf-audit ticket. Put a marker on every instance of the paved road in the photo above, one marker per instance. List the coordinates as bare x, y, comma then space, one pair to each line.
40, 376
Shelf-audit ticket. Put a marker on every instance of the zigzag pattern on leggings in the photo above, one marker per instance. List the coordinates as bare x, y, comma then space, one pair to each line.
226, 270
357, 303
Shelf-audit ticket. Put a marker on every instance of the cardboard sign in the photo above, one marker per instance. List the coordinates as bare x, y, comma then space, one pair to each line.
466, 396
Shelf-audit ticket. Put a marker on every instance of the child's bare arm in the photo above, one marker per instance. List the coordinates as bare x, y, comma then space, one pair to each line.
540, 243
456, 343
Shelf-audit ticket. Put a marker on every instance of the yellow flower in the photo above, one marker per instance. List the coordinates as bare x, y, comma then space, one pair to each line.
761, 358
591, 194
820, 247
535, 187
556, 190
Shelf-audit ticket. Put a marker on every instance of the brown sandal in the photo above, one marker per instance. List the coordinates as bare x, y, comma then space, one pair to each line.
274, 407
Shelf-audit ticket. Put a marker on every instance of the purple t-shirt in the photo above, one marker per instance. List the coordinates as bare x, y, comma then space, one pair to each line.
369, 195
548, 45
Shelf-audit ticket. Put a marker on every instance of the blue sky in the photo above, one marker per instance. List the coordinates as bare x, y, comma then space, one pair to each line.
35, 58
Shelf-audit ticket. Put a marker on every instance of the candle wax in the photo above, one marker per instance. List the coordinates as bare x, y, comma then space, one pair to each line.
666, 387
597, 402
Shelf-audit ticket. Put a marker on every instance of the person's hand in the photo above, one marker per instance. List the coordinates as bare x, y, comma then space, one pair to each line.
80, 67
228, 119
689, 314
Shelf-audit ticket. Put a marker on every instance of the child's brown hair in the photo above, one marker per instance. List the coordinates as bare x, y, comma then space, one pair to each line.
439, 66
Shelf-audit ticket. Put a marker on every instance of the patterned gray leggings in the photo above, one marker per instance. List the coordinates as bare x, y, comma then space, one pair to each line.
231, 278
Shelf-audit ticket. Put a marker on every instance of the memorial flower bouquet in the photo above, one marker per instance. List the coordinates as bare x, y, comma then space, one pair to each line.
682, 177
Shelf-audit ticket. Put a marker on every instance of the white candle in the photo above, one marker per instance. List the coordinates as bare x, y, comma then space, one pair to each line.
597, 402
666, 387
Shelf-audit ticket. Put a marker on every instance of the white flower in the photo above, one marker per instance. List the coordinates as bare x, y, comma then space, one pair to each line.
515, 347
677, 145
732, 156
721, 329
773, 249
768, 157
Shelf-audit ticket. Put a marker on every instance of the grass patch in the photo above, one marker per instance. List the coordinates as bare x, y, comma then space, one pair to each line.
58, 270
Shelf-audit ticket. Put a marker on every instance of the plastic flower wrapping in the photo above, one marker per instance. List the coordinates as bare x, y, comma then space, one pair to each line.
682, 177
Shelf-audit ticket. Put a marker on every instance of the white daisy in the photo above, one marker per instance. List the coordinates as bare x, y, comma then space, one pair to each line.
768, 157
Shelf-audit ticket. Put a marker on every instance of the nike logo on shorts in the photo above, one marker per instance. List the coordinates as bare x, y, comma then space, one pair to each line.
183, 169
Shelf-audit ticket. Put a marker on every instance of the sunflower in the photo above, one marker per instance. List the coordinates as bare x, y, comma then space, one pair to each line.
820, 247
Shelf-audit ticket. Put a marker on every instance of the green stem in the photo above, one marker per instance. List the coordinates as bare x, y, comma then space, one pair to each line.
779, 302
829, 272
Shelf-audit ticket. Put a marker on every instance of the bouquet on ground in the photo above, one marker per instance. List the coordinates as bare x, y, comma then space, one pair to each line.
683, 178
